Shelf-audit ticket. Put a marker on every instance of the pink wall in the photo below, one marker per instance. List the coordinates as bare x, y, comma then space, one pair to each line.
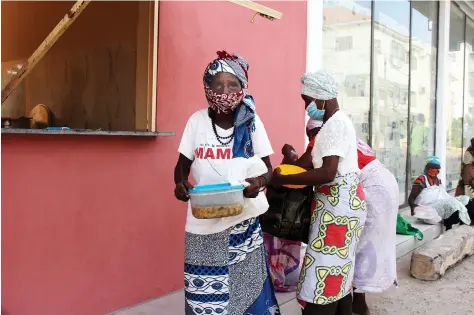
90, 225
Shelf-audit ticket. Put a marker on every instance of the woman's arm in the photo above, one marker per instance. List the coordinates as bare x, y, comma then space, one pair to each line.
306, 160
415, 192
181, 174
256, 183
325, 174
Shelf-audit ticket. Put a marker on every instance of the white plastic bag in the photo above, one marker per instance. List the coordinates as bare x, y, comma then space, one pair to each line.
240, 168
463, 199
427, 214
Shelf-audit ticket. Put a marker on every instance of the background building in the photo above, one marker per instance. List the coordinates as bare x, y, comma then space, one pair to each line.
387, 55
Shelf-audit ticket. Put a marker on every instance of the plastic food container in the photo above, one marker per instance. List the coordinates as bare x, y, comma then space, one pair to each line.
217, 201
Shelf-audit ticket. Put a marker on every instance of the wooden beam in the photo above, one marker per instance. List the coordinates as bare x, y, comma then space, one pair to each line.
143, 71
154, 65
44, 47
259, 9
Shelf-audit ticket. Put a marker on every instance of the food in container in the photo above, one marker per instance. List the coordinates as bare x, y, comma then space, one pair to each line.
217, 201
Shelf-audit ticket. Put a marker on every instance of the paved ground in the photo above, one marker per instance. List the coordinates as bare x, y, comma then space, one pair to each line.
451, 295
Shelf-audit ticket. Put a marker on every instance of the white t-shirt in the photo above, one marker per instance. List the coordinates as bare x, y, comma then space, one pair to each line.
210, 159
337, 137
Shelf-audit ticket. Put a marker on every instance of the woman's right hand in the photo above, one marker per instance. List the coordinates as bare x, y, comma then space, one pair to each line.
181, 190
289, 152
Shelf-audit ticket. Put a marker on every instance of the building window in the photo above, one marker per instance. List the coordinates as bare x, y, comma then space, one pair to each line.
468, 132
424, 30
454, 111
390, 71
343, 43
402, 68
398, 53
98, 76
347, 29
377, 46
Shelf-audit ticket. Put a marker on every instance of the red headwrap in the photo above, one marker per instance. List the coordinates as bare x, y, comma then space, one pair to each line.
365, 154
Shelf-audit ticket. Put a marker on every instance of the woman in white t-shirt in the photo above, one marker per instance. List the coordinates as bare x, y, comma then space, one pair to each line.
339, 215
225, 267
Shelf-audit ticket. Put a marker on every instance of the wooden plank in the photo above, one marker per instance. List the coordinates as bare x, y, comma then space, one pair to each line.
154, 64
143, 71
260, 9
44, 47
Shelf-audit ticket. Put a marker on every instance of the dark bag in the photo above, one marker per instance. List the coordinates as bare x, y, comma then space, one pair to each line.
289, 214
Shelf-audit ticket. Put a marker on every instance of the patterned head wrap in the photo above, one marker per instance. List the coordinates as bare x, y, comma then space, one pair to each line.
365, 155
320, 85
313, 123
364, 148
433, 159
233, 64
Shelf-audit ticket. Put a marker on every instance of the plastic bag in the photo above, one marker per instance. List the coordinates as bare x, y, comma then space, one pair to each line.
427, 214
462, 199
240, 168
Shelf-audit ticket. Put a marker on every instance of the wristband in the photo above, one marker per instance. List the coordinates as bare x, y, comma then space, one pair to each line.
263, 177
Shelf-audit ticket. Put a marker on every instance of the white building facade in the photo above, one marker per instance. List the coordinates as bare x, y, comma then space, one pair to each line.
407, 77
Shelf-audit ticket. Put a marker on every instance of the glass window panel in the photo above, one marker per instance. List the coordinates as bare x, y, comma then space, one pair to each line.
454, 110
346, 52
469, 86
390, 70
424, 32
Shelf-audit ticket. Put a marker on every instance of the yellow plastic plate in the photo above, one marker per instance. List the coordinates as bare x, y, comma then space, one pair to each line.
287, 169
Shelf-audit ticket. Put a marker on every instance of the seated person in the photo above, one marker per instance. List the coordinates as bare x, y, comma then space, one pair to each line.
428, 191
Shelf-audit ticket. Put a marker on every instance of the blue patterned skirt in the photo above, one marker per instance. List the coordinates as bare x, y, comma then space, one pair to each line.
226, 273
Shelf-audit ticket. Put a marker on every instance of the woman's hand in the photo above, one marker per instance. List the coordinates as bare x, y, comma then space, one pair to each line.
289, 152
277, 178
253, 189
181, 190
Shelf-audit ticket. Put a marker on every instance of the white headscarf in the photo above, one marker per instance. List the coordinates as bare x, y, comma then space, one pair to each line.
320, 85
312, 124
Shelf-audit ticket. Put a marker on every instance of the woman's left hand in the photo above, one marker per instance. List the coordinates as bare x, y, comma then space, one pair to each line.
252, 190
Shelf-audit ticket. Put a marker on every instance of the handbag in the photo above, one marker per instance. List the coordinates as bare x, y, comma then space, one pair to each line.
405, 228
289, 213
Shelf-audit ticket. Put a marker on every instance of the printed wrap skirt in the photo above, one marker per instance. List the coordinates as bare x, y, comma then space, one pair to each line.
226, 273
337, 222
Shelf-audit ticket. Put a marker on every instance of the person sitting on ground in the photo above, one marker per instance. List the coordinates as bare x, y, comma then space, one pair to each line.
428, 191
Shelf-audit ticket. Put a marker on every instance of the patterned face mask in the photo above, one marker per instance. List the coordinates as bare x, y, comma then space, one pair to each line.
432, 171
223, 102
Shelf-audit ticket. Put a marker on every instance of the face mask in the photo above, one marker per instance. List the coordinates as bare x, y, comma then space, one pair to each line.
223, 102
314, 112
432, 172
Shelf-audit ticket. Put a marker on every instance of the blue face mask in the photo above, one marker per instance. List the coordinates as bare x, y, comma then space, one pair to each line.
314, 112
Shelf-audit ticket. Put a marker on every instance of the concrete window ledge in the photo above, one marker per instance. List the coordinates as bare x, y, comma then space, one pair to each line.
87, 132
